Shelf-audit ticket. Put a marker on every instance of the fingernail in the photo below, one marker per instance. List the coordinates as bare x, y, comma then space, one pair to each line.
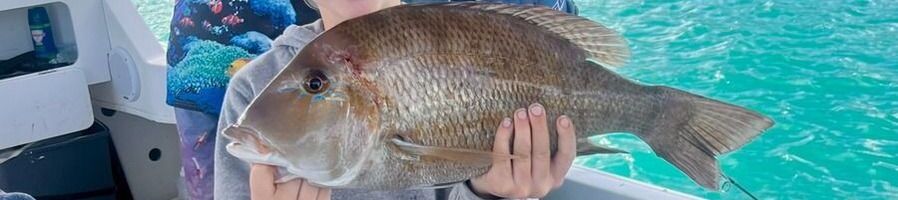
565, 122
506, 122
536, 109
522, 114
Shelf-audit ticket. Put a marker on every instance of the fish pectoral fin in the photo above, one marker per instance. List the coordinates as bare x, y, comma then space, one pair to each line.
474, 157
436, 186
584, 147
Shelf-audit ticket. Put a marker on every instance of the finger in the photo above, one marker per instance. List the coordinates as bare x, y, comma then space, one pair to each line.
308, 191
522, 146
501, 169
502, 145
261, 181
567, 149
288, 190
324, 194
542, 178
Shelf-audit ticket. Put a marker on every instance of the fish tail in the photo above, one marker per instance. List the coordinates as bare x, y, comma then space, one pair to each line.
690, 130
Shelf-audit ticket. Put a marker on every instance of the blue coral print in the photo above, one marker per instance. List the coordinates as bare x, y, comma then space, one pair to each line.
210, 39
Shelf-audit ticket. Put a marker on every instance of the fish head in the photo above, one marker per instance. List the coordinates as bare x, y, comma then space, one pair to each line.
315, 117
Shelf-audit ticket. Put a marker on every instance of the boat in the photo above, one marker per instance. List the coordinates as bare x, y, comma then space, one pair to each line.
98, 126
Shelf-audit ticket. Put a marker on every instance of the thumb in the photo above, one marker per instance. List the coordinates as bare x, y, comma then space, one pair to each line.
261, 181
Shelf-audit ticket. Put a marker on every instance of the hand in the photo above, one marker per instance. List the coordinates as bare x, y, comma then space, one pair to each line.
263, 187
539, 172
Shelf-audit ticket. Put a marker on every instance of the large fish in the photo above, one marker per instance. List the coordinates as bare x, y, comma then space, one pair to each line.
410, 97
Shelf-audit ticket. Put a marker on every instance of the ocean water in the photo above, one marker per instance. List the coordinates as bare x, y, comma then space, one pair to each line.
157, 14
825, 71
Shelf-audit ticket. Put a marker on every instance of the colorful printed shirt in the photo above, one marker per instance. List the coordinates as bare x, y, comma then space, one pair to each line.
211, 39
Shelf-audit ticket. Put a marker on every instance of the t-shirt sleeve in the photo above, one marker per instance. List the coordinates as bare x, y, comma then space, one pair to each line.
463, 191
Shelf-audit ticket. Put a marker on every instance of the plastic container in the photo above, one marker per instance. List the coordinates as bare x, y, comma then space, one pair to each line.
79, 165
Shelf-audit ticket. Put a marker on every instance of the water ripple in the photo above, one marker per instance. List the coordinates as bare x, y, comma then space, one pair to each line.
825, 71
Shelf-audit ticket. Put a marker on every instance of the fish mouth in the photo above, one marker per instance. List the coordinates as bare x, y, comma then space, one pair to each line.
245, 135
238, 132
248, 144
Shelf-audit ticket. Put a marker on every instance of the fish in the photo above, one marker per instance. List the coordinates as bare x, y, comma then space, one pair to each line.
411, 96
232, 20
186, 22
215, 6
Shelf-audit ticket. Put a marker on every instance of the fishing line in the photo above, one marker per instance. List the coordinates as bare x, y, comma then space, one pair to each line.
733, 182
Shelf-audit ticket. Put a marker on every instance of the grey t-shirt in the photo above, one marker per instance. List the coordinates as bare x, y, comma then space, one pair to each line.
232, 174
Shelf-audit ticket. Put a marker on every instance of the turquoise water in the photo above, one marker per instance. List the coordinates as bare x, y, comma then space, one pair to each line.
825, 71
157, 14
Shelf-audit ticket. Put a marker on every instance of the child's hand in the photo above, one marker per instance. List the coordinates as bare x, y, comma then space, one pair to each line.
262, 186
535, 176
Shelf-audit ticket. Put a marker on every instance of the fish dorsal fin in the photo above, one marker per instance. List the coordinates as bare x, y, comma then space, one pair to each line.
470, 156
601, 44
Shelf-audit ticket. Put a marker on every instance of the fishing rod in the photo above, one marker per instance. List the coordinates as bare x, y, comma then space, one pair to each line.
738, 186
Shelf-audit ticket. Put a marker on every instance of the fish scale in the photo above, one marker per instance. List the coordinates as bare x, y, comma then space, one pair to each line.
468, 131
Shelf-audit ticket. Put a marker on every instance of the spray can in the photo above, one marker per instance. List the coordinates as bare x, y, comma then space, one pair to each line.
41, 35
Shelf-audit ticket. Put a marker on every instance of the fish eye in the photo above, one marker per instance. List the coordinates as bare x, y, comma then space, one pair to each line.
316, 82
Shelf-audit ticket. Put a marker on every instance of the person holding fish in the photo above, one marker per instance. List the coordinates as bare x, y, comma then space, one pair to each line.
208, 41
526, 132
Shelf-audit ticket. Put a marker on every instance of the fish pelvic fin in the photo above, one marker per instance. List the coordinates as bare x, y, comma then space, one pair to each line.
467, 156
601, 44
584, 147
690, 130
